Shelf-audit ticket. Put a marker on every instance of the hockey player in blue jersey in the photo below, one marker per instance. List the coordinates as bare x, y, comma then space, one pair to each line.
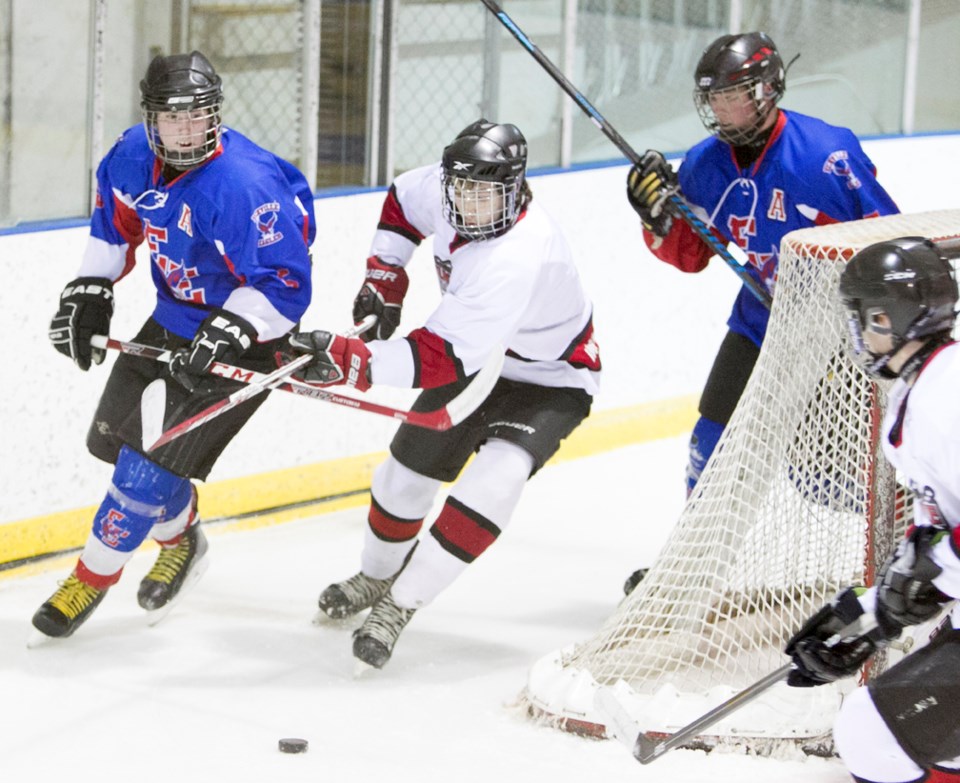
228, 226
763, 173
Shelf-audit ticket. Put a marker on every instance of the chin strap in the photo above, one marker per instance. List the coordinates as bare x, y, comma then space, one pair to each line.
915, 362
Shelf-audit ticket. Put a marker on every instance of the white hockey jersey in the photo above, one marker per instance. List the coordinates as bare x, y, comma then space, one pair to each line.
519, 292
922, 441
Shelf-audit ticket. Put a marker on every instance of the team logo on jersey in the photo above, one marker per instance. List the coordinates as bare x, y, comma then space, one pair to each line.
926, 498
265, 217
185, 222
741, 229
178, 276
151, 199
838, 164
110, 532
444, 267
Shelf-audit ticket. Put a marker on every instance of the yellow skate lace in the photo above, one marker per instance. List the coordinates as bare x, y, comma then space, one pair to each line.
170, 563
73, 597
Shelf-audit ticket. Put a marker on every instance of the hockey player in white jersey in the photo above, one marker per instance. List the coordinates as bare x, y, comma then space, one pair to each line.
904, 726
507, 283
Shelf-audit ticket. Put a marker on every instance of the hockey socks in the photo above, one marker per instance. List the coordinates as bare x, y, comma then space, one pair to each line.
703, 440
478, 508
400, 500
140, 496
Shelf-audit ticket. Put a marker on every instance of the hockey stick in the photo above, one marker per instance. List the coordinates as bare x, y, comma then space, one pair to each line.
441, 419
649, 746
676, 200
246, 392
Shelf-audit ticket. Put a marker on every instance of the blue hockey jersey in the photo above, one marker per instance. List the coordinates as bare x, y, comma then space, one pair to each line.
233, 233
809, 173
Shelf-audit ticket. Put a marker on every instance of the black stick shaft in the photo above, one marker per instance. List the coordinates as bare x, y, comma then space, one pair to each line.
687, 214
649, 749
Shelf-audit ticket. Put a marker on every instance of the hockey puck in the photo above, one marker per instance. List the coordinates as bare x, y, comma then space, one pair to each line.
293, 745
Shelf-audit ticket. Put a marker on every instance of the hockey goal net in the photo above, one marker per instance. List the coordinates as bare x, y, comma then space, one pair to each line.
796, 502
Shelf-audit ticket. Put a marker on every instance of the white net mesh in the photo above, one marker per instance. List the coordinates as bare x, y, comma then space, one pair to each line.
796, 502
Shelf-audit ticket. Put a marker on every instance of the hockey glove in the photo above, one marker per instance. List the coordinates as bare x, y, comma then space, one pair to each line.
86, 306
340, 360
650, 184
222, 337
381, 295
906, 594
818, 656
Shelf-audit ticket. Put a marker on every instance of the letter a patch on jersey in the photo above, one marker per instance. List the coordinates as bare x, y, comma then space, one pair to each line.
185, 223
777, 210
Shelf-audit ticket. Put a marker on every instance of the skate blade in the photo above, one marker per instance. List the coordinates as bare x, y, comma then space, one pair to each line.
360, 668
156, 615
322, 618
37, 639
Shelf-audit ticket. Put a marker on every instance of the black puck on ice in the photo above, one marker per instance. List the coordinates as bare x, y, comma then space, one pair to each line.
293, 745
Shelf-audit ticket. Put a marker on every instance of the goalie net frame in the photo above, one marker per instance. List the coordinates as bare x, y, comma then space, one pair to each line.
796, 502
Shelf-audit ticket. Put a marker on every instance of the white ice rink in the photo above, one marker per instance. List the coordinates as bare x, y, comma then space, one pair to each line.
206, 694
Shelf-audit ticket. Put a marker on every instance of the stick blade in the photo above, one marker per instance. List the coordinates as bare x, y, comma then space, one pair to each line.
618, 722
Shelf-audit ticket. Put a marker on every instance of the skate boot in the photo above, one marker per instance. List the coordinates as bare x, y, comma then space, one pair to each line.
633, 580
176, 567
359, 592
374, 640
68, 608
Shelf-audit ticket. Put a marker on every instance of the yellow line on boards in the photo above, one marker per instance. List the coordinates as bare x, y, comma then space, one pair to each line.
295, 493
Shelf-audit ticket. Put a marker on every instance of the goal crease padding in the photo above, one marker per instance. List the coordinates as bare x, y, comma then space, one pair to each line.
796, 502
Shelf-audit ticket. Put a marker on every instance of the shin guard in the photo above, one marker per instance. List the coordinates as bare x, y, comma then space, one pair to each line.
136, 500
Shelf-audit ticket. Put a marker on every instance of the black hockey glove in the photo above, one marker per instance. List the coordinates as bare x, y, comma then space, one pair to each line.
818, 656
222, 337
381, 294
906, 594
86, 306
650, 184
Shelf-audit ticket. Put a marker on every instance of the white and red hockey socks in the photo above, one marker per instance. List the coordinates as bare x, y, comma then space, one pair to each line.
479, 506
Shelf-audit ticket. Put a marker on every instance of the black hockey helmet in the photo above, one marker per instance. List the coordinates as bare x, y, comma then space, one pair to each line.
743, 63
911, 282
483, 172
183, 83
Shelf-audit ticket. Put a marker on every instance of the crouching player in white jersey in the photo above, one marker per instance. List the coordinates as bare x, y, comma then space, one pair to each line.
904, 726
228, 225
508, 282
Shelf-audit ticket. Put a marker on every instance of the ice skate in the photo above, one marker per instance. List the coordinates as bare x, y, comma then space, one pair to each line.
67, 609
374, 640
633, 580
345, 599
176, 570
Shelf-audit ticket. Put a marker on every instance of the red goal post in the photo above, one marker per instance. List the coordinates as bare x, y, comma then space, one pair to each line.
796, 502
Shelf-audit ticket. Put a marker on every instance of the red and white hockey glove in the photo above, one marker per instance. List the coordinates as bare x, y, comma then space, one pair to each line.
381, 295
339, 360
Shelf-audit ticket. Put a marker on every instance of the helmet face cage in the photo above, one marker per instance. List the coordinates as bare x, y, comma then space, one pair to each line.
753, 96
742, 77
181, 101
907, 281
183, 138
483, 179
479, 209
